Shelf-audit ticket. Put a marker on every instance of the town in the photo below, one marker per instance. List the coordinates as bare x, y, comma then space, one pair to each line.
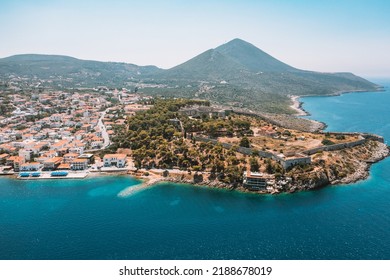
42, 131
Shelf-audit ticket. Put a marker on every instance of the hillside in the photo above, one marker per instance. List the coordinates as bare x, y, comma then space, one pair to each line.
72, 71
234, 74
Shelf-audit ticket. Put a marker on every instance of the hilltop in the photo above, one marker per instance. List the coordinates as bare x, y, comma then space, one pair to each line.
236, 74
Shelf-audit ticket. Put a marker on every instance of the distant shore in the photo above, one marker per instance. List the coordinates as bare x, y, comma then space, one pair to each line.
297, 105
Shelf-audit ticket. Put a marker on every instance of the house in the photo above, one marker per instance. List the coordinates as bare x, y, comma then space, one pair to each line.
31, 166
89, 157
52, 163
77, 147
118, 160
3, 158
98, 132
63, 151
15, 162
79, 164
26, 154
49, 154
269, 131
7, 148
86, 127
56, 117
96, 142
69, 157
59, 145
63, 166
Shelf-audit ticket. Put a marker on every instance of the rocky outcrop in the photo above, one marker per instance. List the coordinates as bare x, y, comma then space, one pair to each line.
355, 167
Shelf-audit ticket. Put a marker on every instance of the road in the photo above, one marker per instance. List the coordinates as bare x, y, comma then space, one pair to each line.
105, 136
102, 127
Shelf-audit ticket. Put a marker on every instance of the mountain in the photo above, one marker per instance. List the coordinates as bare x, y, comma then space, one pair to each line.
236, 73
241, 62
226, 61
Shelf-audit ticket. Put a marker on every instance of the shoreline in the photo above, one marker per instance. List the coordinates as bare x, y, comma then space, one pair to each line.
301, 112
363, 170
297, 105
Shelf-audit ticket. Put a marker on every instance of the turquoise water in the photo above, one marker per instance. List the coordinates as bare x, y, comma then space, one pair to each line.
85, 219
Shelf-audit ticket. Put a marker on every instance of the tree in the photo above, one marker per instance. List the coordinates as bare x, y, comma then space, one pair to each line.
233, 174
244, 142
269, 167
254, 164
327, 142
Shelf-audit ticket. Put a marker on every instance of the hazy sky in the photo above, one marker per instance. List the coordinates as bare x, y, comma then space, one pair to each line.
328, 35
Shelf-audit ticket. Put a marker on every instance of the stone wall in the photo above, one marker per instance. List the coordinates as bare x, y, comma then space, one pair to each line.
242, 150
287, 163
335, 147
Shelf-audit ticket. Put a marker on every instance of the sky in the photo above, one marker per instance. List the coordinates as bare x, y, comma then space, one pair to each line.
326, 36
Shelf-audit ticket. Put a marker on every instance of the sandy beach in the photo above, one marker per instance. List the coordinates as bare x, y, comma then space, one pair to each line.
297, 106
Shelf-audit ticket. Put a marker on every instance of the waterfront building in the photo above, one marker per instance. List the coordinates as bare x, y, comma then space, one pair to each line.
30, 166
88, 157
255, 180
79, 164
69, 157
52, 163
118, 160
15, 162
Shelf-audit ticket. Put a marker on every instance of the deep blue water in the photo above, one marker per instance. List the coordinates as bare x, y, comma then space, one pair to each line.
84, 219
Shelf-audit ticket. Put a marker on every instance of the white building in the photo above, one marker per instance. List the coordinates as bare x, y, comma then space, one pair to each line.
26, 154
31, 166
118, 160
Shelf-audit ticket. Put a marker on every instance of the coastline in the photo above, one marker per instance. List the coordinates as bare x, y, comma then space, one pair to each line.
361, 173
151, 180
363, 170
297, 105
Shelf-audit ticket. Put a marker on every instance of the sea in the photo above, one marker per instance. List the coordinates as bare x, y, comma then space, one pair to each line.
85, 219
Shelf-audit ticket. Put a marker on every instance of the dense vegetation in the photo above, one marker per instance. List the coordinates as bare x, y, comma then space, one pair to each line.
156, 140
